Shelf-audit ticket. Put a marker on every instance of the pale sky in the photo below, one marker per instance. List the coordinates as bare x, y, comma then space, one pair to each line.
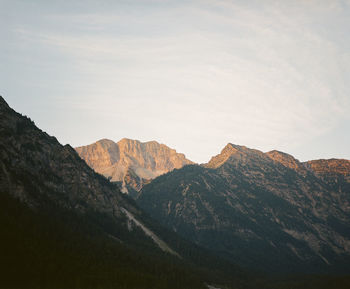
193, 75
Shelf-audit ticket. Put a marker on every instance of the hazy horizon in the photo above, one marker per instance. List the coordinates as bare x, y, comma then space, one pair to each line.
194, 75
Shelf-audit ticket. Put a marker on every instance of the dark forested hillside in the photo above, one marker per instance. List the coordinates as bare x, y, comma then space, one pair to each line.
56, 248
65, 226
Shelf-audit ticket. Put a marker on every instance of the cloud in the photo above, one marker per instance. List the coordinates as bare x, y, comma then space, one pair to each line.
259, 75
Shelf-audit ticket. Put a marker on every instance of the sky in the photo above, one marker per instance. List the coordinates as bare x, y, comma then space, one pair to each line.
194, 75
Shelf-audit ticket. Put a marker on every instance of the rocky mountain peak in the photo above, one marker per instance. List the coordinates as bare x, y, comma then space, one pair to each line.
331, 166
232, 148
103, 153
130, 161
287, 160
335, 172
105, 142
130, 143
221, 158
236, 153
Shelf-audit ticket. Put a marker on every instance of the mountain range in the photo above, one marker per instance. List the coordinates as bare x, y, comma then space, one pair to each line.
251, 206
246, 205
65, 226
245, 219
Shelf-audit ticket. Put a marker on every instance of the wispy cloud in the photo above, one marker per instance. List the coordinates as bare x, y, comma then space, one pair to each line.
263, 75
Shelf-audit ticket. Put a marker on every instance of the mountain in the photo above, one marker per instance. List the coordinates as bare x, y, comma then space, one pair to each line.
336, 173
330, 168
131, 162
266, 211
65, 226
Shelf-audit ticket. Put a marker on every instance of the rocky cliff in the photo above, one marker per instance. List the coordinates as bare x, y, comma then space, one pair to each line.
332, 168
336, 174
130, 161
63, 225
35, 168
252, 206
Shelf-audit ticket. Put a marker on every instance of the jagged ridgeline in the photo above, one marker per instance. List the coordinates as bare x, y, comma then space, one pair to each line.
65, 226
264, 211
131, 163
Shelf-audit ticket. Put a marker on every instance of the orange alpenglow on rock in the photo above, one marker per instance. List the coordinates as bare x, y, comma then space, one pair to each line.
131, 161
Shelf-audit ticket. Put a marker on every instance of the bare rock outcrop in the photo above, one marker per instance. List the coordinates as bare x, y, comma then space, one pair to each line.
130, 161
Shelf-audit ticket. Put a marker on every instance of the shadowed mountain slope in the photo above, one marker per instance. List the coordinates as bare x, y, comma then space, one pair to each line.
252, 207
65, 226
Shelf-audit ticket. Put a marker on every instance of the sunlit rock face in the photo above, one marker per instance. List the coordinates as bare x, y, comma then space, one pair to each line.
288, 161
264, 210
331, 167
38, 171
131, 162
336, 174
